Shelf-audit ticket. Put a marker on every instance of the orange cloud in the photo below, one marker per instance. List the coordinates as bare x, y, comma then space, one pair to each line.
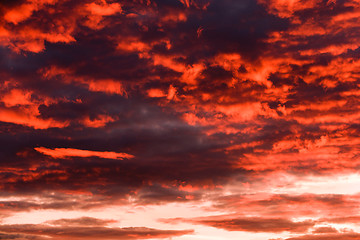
107, 86
71, 152
285, 8
16, 97
29, 117
24, 11
155, 93
32, 37
104, 9
99, 121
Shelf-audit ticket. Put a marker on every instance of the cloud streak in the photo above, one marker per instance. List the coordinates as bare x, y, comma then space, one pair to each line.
70, 152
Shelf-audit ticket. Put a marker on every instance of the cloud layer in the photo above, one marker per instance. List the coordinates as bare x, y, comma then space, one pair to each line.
246, 107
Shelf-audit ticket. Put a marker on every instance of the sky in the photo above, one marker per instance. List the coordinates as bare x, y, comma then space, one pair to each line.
179, 119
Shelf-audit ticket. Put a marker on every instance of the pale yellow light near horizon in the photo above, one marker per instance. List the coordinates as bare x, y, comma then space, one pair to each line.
148, 215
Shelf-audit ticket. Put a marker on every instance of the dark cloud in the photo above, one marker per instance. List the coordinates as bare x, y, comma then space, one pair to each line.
83, 221
331, 236
250, 224
325, 230
6, 236
31, 231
